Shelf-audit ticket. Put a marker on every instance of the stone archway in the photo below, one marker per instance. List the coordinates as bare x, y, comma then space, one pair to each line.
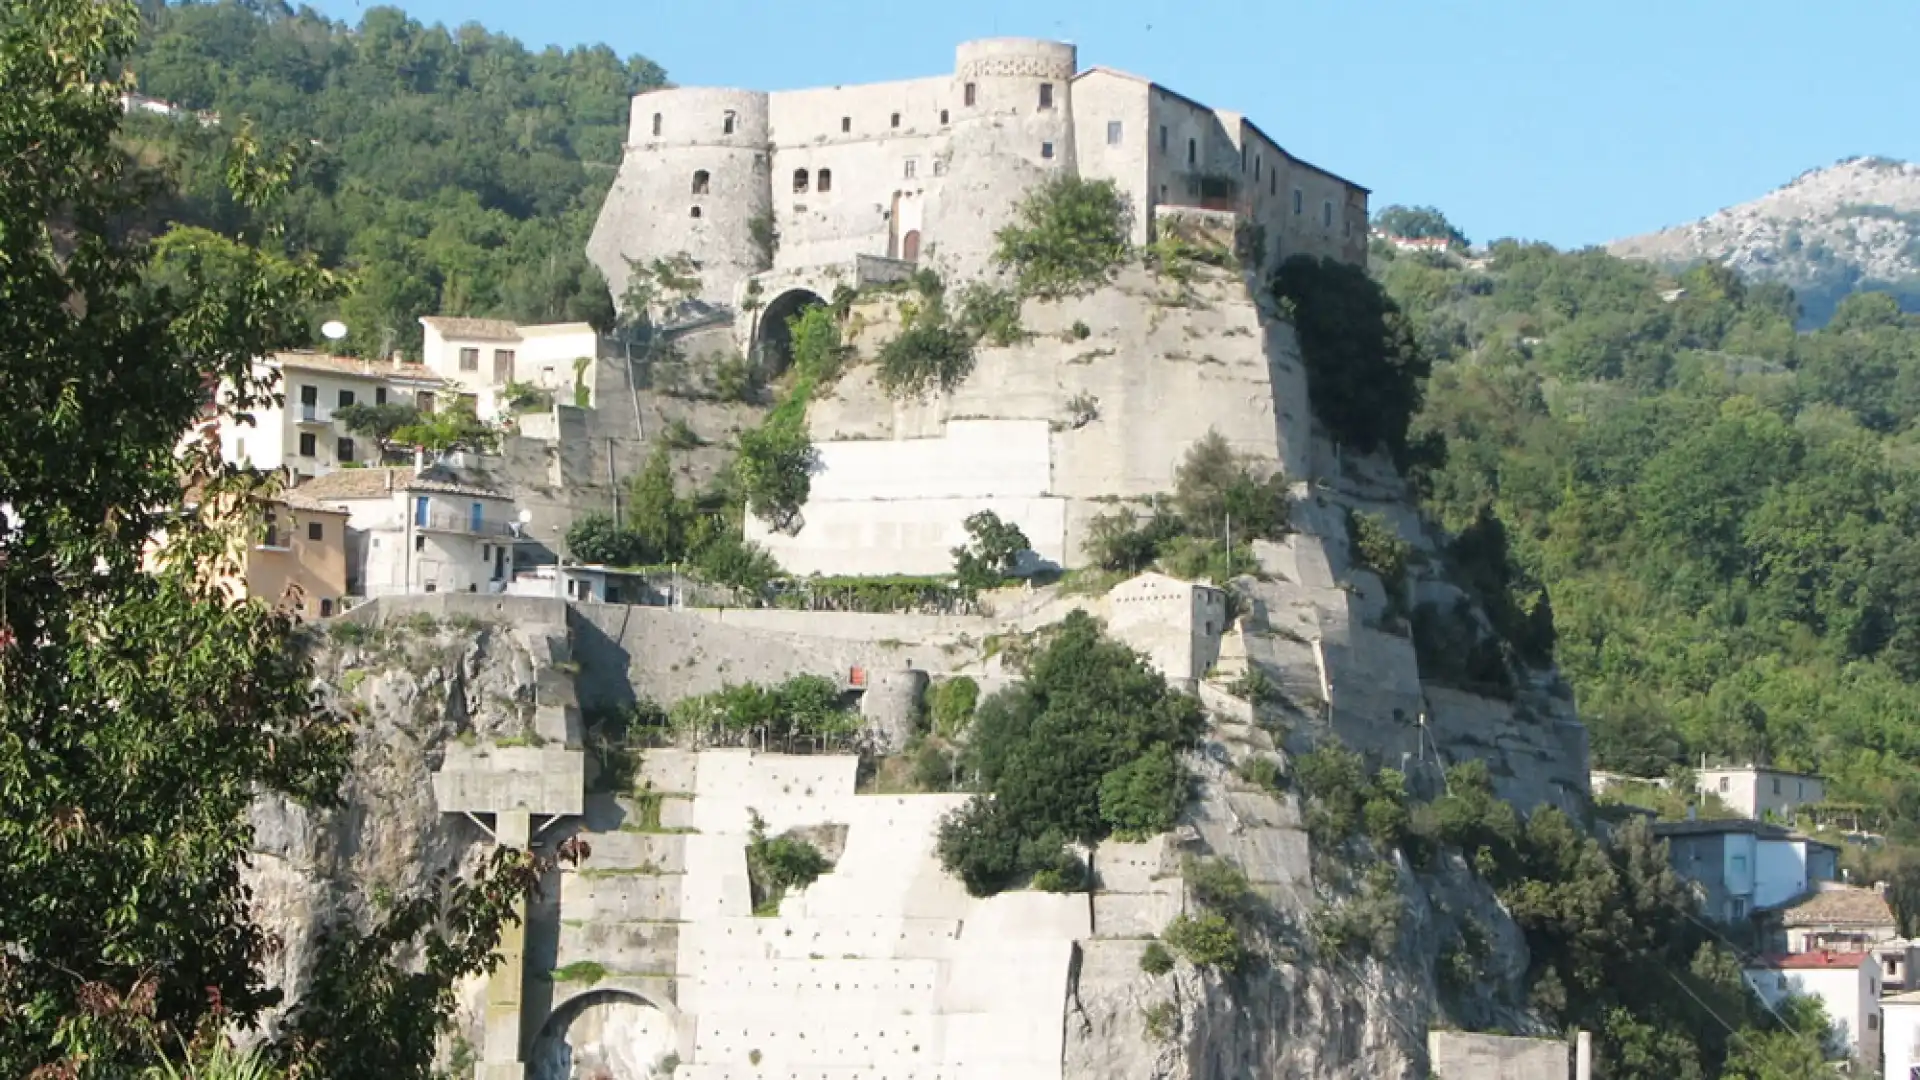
604, 1035
773, 343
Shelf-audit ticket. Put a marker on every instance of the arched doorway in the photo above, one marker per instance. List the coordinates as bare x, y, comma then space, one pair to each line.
604, 1035
910, 247
773, 343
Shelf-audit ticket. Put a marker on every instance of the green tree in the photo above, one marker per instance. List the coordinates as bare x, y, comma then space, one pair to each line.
657, 513
142, 710
1068, 236
454, 427
381, 423
1419, 223
993, 551
1364, 370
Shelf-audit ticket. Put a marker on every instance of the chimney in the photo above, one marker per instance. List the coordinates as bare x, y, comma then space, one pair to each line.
389, 473
419, 460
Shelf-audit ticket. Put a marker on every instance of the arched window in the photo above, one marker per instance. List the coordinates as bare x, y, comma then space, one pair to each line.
656, 123
700, 182
726, 127
823, 182
799, 181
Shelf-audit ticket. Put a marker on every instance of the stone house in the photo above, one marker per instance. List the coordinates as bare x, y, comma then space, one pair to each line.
1759, 792
422, 531
296, 560
302, 434
1836, 916
1847, 986
1741, 867
1177, 624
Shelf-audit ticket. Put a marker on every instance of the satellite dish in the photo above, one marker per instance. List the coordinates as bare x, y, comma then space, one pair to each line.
526, 516
333, 329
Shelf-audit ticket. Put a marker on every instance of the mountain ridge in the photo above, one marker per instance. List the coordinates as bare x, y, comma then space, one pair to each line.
1848, 227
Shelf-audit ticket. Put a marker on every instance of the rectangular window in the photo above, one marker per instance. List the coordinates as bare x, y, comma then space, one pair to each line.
309, 446
419, 543
1046, 150
726, 123
309, 395
379, 395
469, 359
343, 450
846, 124
1046, 95
1299, 202
1723, 785
346, 398
1163, 138
1114, 132
503, 365
912, 167
326, 608
316, 531
894, 120
423, 401
1776, 785
1256, 168
1193, 151
420, 512
272, 538
1326, 214
970, 94
1273, 183
473, 518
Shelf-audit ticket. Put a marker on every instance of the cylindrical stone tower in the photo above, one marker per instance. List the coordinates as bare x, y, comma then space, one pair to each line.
1013, 128
891, 707
693, 179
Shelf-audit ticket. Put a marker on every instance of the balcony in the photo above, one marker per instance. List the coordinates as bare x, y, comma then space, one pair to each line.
441, 521
311, 414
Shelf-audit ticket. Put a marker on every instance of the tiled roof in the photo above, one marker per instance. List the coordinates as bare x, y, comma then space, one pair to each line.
1839, 906
472, 329
1715, 826
1812, 961
295, 500
378, 483
353, 365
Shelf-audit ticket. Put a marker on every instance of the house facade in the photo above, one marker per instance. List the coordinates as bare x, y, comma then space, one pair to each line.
1177, 624
480, 358
1741, 867
420, 532
1759, 792
1900, 1036
1836, 916
1847, 986
303, 434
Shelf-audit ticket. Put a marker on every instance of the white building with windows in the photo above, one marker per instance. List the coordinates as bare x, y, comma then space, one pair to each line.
1900, 1036
303, 434
480, 358
420, 532
1847, 986
1757, 791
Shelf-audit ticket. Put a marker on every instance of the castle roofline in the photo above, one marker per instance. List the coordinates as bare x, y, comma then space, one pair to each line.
1171, 92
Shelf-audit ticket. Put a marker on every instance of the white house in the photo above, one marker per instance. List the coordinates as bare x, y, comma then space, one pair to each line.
424, 532
1847, 986
303, 434
1900, 1039
482, 356
1740, 867
1757, 791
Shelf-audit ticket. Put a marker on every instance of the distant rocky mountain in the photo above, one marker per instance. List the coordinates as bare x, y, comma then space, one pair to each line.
1832, 231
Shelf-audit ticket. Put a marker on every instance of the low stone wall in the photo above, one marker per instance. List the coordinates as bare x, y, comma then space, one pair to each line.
1461, 1055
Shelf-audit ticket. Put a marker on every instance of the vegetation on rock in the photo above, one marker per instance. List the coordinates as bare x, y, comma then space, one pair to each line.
1070, 235
1048, 751
1364, 368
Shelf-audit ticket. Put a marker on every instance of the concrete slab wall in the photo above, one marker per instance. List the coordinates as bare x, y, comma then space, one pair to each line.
1460, 1055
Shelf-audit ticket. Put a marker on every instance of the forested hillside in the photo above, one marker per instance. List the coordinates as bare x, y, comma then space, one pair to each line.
1725, 513
453, 172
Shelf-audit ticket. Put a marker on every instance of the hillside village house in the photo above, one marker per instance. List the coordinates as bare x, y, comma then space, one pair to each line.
1836, 916
481, 357
1900, 1036
1741, 867
295, 560
303, 434
1847, 986
1759, 792
1177, 624
420, 532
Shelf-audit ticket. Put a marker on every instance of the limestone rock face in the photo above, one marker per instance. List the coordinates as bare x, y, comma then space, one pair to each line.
412, 690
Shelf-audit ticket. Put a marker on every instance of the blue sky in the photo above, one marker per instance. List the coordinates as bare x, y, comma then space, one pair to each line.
1570, 121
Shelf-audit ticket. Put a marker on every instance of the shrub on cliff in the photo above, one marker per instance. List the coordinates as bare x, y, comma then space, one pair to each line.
1058, 755
1070, 235
1365, 372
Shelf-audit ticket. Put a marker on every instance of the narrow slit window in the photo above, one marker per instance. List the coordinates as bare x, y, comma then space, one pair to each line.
726, 125
656, 123
971, 94
1193, 151
894, 120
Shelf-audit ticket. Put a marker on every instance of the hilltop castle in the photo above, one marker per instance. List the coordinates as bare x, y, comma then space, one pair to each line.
926, 170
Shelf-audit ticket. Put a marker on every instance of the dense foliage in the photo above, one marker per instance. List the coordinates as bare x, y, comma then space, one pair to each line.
1221, 502
698, 532
992, 552
142, 709
1364, 368
1069, 236
448, 171
1082, 747
1724, 511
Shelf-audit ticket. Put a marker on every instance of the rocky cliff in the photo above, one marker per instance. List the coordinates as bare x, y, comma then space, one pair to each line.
651, 958
1829, 231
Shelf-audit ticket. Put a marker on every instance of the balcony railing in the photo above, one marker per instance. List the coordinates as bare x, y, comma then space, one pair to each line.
312, 414
447, 522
